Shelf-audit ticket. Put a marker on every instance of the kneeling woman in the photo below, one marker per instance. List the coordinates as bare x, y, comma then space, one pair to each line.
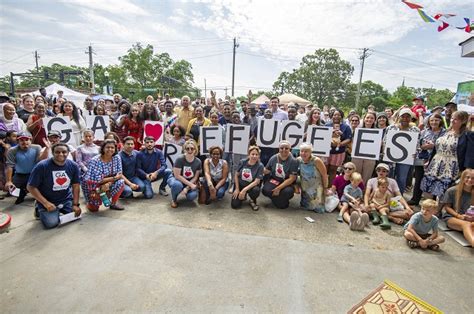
216, 172
457, 200
247, 179
186, 172
104, 175
282, 169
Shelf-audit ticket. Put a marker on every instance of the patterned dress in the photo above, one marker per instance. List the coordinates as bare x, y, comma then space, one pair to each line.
443, 168
96, 172
312, 189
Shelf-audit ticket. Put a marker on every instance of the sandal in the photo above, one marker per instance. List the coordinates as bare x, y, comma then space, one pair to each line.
412, 244
398, 221
174, 204
253, 205
434, 247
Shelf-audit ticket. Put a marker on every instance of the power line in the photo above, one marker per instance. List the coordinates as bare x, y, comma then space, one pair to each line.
407, 60
11, 61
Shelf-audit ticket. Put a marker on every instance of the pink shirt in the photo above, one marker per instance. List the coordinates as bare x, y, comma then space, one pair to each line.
340, 183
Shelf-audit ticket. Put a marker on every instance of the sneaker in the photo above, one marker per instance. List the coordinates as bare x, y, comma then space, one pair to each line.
412, 244
253, 205
339, 218
116, 206
36, 213
163, 192
364, 220
353, 220
19, 200
174, 204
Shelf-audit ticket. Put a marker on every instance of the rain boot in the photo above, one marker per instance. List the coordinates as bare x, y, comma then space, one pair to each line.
375, 217
385, 223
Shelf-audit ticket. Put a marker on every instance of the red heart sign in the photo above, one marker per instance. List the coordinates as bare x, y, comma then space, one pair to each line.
154, 130
187, 174
246, 175
61, 181
279, 170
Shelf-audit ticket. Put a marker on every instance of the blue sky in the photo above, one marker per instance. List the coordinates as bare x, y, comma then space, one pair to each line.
272, 37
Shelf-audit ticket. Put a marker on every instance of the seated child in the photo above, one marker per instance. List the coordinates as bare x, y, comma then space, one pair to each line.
418, 227
352, 203
379, 203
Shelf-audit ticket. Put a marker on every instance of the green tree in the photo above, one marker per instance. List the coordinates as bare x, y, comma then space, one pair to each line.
402, 96
322, 77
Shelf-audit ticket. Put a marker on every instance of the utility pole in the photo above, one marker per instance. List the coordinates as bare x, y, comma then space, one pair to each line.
225, 91
359, 87
233, 65
37, 67
91, 69
205, 91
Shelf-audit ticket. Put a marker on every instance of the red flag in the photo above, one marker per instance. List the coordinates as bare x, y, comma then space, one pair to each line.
413, 5
443, 27
437, 16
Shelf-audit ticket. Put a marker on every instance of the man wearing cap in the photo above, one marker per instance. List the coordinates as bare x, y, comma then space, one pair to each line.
449, 109
398, 217
21, 158
4, 98
54, 136
278, 114
55, 185
405, 115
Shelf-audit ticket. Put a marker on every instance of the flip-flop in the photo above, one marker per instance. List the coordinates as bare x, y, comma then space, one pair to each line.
434, 247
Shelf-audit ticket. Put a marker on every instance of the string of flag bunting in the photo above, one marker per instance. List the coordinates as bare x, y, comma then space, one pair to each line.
440, 17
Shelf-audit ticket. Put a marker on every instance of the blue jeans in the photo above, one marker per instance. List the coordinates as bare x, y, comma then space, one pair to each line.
164, 174
176, 187
401, 174
220, 192
51, 219
127, 191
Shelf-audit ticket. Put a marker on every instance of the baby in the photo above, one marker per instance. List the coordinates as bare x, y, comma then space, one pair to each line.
418, 227
379, 203
336, 136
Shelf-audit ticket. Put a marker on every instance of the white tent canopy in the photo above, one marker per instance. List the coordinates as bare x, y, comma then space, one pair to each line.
52, 91
287, 98
262, 99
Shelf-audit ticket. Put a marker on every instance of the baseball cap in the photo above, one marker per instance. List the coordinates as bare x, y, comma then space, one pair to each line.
405, 111
451, 104
263, 106
437, 108
24, 135
4, 97
419, 98
54, 133
383, 166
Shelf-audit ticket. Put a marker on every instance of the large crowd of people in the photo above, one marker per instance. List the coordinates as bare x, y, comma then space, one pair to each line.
126, 162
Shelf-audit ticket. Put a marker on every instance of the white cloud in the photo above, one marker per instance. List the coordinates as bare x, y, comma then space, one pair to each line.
120, 7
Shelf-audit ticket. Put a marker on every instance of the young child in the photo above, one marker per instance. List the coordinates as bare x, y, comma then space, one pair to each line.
336, 136
351, 202
11, 138
380, 203
418, 227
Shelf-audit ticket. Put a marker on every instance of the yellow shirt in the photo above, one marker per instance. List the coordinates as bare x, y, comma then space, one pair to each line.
184, 116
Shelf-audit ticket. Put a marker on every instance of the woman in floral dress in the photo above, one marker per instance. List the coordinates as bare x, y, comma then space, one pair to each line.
104, 174
444, 167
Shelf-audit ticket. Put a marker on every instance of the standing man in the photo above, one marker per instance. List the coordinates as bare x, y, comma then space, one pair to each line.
21, 158
55, 185
128, 155
278, 114
185, 113
449, 109
88, 107
151, 166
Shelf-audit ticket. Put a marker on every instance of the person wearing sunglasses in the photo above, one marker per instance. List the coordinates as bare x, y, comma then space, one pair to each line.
396, 216
282, 169
186, 172
340, 181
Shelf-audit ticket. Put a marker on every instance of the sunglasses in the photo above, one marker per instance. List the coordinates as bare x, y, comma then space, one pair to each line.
189, 148
348, 168
284, 148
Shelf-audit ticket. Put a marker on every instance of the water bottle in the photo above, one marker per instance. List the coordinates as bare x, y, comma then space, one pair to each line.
105, 199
